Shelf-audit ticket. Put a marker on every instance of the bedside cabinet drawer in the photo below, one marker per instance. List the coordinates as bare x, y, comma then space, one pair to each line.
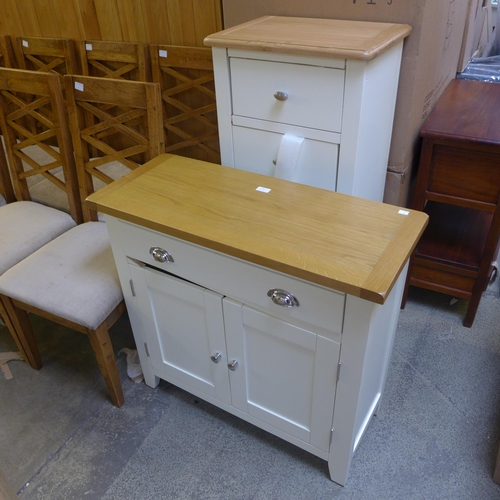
256, 151
311, 96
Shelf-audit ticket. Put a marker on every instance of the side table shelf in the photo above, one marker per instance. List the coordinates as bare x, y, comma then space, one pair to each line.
458, 186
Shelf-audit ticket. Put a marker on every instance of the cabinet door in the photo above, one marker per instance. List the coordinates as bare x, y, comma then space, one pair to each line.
257, 150
184, 328
285, 375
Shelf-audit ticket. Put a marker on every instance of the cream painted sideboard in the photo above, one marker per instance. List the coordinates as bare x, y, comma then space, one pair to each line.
273, 300
331, 83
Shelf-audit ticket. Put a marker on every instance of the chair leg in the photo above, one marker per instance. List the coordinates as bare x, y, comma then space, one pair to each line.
20, 328
103, 350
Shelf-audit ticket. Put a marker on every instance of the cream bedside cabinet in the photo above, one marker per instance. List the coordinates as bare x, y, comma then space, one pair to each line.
285, 321
330, 83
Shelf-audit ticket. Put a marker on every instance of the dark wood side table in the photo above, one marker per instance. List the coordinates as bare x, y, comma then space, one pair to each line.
458, 185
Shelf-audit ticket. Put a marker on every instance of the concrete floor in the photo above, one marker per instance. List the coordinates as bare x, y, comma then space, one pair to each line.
435, 437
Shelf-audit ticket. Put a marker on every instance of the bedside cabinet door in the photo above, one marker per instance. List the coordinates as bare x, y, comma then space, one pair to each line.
256, 151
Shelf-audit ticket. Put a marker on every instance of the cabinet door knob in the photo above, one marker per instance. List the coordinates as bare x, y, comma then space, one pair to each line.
233, 365
160, 255
283, 298
216, 357
280, 96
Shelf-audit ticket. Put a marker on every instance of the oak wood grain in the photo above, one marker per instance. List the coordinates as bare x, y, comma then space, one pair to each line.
314, 37
345, 243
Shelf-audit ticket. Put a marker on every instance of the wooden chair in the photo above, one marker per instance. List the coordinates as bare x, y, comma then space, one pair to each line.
117, 60
50, 55
6, 54
188, 93
25, 225
132, 115
73, 280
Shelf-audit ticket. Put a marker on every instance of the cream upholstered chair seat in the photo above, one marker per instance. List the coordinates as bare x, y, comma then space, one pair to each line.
73, 277
25, 226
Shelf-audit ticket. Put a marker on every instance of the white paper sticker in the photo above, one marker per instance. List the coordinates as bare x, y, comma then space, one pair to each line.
263, 189
403, 212
25, 43
88, 46
79, 86
163, 53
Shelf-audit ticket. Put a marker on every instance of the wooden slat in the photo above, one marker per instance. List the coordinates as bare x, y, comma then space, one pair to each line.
88, 22
207, 19
157, 32
132, 21
47, 20
179, 22
29, 19
10, 18
66, 18
109, 19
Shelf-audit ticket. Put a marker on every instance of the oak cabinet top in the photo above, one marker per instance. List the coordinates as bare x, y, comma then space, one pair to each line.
361, 40
345, 243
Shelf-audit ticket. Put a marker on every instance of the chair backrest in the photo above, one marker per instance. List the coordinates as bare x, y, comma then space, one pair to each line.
120, 60
6, 54
125, 129
32, 119
50, 55
186, 77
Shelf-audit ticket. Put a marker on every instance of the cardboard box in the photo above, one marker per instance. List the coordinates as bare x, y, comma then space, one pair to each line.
430, 56
399, 187
478, 32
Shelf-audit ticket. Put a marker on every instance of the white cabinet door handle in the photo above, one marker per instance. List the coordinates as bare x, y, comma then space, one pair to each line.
233, 365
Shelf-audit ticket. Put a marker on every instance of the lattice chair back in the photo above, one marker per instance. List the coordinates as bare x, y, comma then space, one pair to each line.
41, 159
132, 118
117, 60
50, 55
28, 97
186, 77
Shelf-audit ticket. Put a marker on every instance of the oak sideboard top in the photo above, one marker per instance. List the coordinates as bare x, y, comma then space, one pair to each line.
361, 40
349, 244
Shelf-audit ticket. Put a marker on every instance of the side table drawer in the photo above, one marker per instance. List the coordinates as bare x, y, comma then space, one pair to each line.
237, 279
314, 94
257, 150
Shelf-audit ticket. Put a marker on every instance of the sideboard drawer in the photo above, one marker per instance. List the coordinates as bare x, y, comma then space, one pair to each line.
237, 279
314, 95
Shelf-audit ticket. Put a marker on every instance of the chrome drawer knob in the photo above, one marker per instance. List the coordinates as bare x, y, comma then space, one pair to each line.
233, 365
160, 255
283, 298
216, 357
280, 96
